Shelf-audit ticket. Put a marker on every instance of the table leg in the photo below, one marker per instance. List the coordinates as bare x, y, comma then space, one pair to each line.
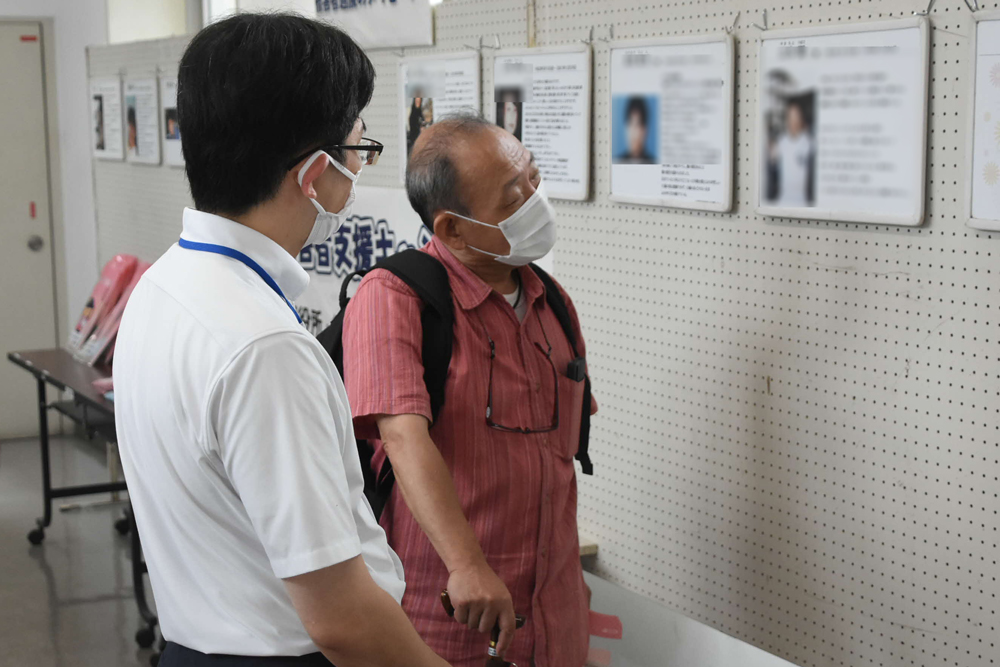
38, 534
147, 635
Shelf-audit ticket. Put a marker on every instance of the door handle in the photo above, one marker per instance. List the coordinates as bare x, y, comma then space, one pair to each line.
36, 243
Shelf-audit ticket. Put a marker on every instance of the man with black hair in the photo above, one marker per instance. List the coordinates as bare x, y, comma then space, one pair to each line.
484, 502
233, 424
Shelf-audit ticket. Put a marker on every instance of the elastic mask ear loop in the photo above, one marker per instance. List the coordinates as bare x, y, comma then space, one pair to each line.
476, 222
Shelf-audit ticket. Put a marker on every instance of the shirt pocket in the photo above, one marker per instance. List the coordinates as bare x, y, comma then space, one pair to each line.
570, 413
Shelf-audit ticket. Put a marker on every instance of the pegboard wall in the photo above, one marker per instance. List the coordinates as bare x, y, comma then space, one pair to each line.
799, 434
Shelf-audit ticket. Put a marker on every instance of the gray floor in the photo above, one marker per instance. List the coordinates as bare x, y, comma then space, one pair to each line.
69, 601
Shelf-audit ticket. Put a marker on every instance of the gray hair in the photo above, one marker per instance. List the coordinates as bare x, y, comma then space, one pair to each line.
431, 174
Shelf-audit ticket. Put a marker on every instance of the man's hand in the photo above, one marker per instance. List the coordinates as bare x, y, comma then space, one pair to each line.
480, 600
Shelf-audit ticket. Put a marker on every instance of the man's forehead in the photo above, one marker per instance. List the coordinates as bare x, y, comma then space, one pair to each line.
490, 157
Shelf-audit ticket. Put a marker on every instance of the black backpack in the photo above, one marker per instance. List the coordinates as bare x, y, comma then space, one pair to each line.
426, 276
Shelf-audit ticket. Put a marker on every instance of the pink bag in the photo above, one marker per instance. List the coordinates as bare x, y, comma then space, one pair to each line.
106, 332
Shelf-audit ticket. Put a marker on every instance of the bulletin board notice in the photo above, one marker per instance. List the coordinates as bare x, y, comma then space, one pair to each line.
543, 97
142, 127
430, 88
672, 122
984, 140
106, 118
172, 153
842, 122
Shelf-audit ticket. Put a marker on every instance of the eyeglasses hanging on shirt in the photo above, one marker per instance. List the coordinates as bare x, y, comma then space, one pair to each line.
547, 352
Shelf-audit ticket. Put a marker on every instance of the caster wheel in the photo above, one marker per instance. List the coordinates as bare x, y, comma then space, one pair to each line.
145, 637
36, 536
154, 660
122, 526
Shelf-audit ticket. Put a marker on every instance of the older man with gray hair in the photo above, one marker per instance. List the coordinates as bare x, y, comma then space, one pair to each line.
486, 498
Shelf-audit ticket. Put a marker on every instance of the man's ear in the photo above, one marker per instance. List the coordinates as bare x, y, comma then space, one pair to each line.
446, 229
318, 166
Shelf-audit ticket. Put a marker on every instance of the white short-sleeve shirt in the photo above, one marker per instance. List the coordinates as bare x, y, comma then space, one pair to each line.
238, 447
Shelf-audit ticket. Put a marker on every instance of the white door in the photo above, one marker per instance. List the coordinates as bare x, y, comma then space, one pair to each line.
27, 302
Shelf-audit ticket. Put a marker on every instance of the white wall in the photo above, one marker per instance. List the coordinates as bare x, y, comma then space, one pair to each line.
131, 21
78, 24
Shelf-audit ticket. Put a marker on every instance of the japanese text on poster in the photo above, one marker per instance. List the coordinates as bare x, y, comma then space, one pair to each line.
376, 24
842, 120
432, 88
671, 124
106, 118
142, 128
543, 98
985, 178
382, 225
172, 154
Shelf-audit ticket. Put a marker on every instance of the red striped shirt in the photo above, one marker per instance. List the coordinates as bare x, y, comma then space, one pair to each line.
517, 491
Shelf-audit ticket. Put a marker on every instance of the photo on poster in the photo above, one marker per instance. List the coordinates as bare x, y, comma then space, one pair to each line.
671, 131
172, 154
431, 88
635, 121
984, 140
790, 169
99, 141
421, 116
106, 118
842, 114
510, 114
542, 96
142, 128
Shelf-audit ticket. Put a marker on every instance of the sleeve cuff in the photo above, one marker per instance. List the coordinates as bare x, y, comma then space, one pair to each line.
365, 413
296, 564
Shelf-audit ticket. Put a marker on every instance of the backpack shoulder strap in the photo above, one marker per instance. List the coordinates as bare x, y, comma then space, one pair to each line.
426, 276
553, 297
555, 301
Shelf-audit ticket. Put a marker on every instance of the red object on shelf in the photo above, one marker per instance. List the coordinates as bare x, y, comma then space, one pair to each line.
605, 625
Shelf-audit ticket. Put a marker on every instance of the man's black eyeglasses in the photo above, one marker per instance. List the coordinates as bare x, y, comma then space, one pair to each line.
368, 150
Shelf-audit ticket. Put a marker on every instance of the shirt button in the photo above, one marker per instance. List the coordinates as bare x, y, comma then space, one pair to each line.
538, 386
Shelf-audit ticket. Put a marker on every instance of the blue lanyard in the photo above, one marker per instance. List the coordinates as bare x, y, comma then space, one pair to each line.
237, 255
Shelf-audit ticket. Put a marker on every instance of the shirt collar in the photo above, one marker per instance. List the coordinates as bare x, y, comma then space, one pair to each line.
286, 271
469, 289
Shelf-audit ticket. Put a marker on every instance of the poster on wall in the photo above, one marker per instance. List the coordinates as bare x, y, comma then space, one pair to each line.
379, 25
171, 128
984, 149
106, 118
383, 223
142, 127
432, 87
542, 97
842, 113
672, 122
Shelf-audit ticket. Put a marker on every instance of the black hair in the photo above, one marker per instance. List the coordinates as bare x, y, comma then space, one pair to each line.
130, 113
431, 175
637, 105
254, 91
501, 112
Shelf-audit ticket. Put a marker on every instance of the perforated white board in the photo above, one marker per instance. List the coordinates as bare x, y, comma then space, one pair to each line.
797, 441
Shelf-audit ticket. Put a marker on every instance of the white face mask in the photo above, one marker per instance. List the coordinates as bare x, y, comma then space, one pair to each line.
328, 223
531, 231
